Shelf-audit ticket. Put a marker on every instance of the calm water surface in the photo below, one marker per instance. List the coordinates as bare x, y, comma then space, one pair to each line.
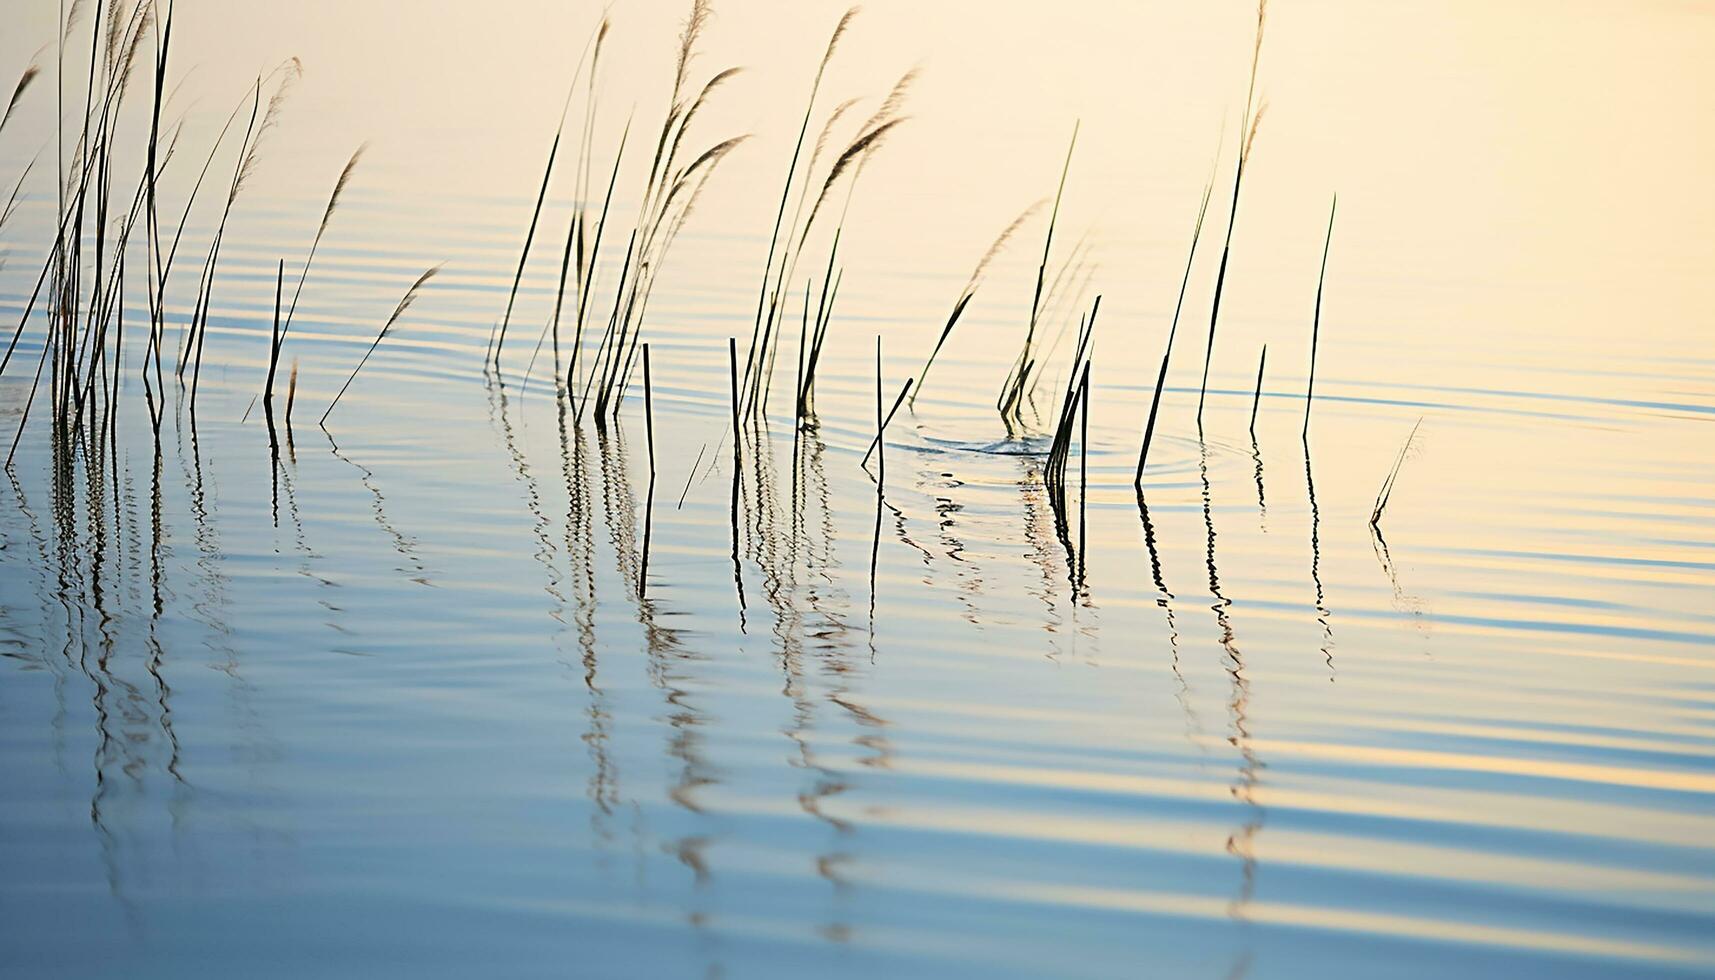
399, 705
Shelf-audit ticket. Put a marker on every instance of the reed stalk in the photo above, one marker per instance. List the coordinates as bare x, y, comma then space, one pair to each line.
880, 483
499, 341
670, 195
274, 342
1010, 403
1059, 450
970, 291
1256, 399
649, 500
1172, 332
386, 328
1248, 124
1386, 492
1316, 319
768, 268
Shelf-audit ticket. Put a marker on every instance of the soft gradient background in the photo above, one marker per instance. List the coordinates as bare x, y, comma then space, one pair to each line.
414, 719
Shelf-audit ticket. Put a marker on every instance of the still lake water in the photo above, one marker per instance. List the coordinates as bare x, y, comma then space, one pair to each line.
398, 707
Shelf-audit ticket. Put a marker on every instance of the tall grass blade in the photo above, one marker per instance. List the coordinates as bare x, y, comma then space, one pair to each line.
398, 311
1316, 320
1172, 332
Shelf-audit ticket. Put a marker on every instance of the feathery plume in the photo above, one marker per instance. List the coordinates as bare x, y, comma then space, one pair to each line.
339, 187
1000, 243
24, 81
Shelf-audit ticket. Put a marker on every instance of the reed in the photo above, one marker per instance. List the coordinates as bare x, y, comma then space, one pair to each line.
155, 275
732, 357
577, 241
1316, 319
768, 269
875, 444
578, 228
1077, 392
811, 356
1083, 468
81, 283
880, 483
649, 500
274, 343
24, 81
289, 72
386, 328
1061, 303
1018, 380
281, 329
1386, 492
162, 265
499, 340
1248, 125
858, 151
788, 240
1256, 399
1172, 332
670, 196
82, 288
737, 474
970, 292
585, 267
1075, 411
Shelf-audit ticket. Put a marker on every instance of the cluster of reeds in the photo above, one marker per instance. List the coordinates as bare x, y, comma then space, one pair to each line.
81, 288
674, 184
1073, 403
81, 285
1074, 417
579, 226
1250, 123
788, 238
192, 341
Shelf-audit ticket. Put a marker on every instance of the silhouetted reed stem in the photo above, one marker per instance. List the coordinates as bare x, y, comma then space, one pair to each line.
398, 311
880, 482
1393, 474
1083, 466
969, 293
649, 501
1256, 399
274, 340
1172, 332
875, 444
737, 438
768, 270
529, 237
1247, 136
1059, 451
1316, 320
1011, 401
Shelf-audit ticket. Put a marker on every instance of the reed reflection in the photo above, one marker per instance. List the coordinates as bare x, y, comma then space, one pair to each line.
1241, 843
1164, 601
